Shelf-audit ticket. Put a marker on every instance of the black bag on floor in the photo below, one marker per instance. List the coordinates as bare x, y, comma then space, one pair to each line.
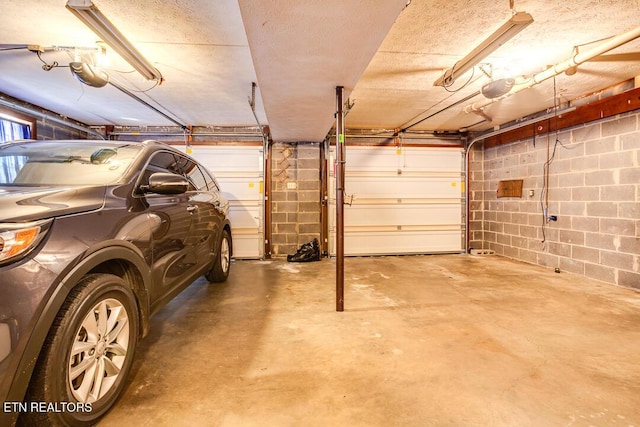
307, 252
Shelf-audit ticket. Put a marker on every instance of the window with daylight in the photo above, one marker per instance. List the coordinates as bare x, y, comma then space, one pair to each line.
11, 130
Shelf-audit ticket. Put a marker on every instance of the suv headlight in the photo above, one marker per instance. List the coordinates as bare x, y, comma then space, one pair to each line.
17, 240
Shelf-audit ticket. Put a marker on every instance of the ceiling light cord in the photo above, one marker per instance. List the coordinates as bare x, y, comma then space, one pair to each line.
447, 86
47, 67
155, 84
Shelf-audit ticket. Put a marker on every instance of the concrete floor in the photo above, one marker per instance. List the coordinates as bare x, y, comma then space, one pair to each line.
446, 340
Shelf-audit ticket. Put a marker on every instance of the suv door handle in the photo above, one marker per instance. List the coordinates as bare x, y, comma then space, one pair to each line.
191, 208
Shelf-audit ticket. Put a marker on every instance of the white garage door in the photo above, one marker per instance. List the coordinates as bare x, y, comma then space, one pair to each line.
403, 201
240, 172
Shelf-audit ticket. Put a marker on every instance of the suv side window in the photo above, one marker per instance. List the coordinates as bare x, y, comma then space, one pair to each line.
192, 172
160, 162
165, 161
211, 182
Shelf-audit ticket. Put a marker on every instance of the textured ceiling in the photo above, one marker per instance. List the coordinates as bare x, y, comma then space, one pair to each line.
301, 52
386, 55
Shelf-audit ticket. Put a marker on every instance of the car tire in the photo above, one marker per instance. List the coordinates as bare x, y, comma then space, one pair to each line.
87, 354
222, 264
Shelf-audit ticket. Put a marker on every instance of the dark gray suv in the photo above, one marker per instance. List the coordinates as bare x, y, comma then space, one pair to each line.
95, 236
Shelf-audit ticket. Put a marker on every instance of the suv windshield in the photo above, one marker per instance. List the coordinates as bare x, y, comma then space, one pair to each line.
64, 163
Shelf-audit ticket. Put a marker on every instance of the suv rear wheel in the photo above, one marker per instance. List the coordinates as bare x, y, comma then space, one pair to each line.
87, 354
220, 270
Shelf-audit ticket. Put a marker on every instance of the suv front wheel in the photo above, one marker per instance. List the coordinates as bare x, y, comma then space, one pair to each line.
87, 354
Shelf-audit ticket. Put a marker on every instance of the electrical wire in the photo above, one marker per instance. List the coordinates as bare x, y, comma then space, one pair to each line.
166, 115
544, 193
466, 98
460, 101
110, 71
46, 66
156, 83
446, 87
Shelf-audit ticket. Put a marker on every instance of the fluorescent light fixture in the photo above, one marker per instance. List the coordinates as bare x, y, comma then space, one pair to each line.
503, 34
88, 13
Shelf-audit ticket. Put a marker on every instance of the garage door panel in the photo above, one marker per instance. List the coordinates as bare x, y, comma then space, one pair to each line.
400, 201
400, 215
244, 245
369, 160
381, 159
401, 187
223, 159
245, 189
399, 242
427, 159
244, 216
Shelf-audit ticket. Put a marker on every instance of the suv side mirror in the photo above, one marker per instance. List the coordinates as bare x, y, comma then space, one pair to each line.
166, 183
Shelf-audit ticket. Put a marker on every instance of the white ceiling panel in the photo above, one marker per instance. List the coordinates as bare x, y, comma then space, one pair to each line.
386, 54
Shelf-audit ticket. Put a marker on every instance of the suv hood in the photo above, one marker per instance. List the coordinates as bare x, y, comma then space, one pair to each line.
18, 204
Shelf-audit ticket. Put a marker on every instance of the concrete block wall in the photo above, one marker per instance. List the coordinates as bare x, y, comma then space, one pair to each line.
476, 197
594, 189
295, 196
